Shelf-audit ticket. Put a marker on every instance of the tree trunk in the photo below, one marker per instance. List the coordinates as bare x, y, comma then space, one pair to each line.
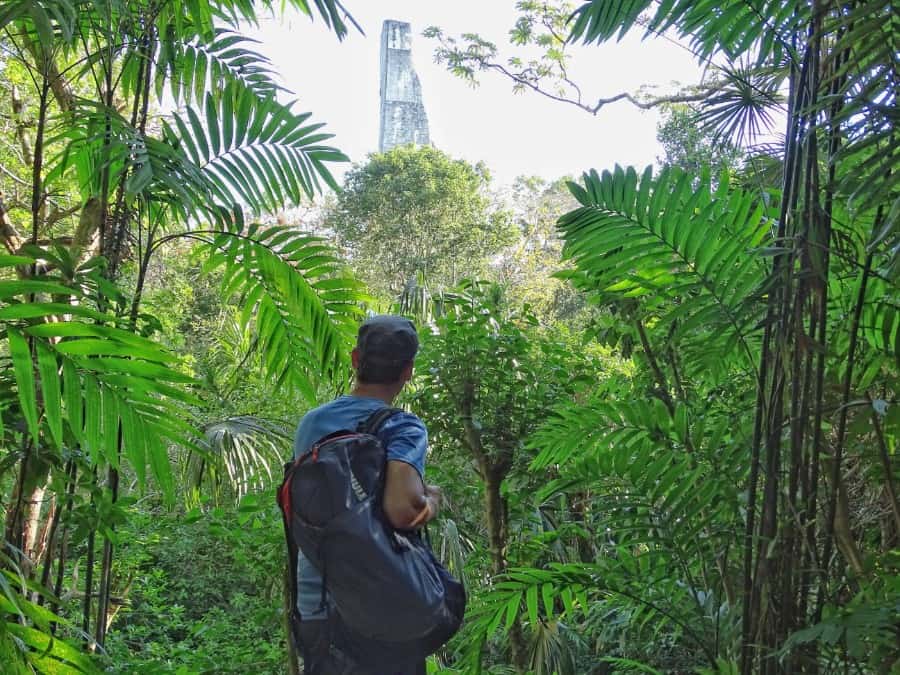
497, 522
292, 656
23, 521
495, 511
578, 507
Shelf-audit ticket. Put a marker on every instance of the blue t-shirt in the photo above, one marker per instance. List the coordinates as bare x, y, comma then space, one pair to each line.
406, 440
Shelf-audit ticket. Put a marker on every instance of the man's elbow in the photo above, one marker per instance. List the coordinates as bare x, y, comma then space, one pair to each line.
402, 519
401, 516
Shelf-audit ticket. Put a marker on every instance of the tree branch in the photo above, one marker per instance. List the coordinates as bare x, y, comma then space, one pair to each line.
600, 103
57, 214
12, 240
86, 242
472, 435
18, 108
13, 176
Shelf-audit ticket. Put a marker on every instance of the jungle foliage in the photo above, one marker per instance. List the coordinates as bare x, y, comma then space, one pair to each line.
95, 404
675, 454
760, 307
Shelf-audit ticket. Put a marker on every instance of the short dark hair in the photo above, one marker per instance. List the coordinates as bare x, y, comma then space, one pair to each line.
386, 346
373, 370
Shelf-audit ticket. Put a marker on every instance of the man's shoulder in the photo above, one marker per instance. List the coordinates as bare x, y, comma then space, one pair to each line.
405, 419
318, 411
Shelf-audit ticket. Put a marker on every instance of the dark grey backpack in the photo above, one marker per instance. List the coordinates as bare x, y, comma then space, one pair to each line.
393, 597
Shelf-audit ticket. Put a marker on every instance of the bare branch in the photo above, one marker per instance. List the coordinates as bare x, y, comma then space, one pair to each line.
13, 176
18, 108
646, 104
12, 240
57, 214
86, 241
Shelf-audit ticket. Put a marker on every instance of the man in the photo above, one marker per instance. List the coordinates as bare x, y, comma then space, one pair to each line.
383, 360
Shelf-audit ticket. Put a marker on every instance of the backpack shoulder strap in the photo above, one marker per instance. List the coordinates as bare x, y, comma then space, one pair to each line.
373, 423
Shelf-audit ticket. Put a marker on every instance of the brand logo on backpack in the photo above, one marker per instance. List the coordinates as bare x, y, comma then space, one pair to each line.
357, 488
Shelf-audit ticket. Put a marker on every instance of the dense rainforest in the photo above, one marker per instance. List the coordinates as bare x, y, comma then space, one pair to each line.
661, 401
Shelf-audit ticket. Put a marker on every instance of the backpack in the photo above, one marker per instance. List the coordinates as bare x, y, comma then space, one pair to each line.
394, 599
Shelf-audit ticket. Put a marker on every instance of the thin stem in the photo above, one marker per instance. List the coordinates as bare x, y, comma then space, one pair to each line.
662, 384
885, 457
837, 458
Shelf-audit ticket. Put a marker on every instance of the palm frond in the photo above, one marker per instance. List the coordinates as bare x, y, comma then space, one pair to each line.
191, 69
27, 643
49, 21
246, 451
880, 320
331, 12
566, 592
154, 170
298, 299
735, 27
88, 380
693, 252
665, 477
258, 150
864, 81
741, 111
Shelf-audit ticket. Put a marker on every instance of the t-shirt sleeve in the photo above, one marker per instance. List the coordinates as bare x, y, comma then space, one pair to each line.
407, 440
301, 437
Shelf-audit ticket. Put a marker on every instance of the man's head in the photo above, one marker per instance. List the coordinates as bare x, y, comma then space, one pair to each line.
386, 347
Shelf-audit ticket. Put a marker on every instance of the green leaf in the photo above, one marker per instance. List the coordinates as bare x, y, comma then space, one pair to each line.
73, 400
531, 602
48, 369
548, 594
20, 353
11, 288
512, 609
92, 418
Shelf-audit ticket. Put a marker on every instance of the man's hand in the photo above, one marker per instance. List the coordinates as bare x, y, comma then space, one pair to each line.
434, 498
430, 502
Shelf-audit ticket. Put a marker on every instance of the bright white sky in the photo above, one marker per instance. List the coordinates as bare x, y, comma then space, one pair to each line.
514, 134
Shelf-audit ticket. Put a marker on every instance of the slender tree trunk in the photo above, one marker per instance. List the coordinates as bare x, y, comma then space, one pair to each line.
64, 539
495, 510
578, 507
48, 545
107, 561
293, 664
497, 527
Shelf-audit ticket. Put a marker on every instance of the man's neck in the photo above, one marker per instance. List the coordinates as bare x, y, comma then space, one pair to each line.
384, 392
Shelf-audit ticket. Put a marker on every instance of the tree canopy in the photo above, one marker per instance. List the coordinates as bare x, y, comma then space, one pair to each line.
414, 211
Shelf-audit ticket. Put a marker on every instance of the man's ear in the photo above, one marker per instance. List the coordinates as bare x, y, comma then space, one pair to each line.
407, 374
354, 358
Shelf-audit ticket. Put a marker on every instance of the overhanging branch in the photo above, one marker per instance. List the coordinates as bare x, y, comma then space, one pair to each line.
600, 103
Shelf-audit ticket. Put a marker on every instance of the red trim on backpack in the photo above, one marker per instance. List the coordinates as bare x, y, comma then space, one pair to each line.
284, 499
284, 494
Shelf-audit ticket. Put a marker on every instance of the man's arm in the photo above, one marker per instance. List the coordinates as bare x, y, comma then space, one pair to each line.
407, 502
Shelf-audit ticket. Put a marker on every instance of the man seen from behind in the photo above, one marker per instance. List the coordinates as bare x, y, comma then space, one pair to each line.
383, 363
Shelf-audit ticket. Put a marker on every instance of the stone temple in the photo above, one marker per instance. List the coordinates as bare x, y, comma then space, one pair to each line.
403, 118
